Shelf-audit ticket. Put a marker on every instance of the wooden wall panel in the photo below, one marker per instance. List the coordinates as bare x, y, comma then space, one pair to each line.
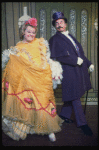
11, 12
16, 17
10, 24
4, 33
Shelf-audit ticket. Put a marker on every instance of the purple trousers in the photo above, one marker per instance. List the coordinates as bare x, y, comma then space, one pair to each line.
66, 111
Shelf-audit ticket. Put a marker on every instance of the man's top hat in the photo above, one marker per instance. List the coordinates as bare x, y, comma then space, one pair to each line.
58, 15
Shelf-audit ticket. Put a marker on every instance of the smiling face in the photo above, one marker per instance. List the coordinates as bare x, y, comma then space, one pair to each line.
60, 25
29, 34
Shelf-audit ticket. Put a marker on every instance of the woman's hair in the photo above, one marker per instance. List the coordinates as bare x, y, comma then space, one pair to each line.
23, 28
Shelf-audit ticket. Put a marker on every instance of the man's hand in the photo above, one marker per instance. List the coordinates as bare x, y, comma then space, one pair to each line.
79, 61
91, 68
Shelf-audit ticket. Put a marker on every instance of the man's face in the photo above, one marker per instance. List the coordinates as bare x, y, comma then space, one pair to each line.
60, 25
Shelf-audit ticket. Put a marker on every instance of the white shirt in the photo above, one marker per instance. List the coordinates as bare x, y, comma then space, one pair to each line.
66, 33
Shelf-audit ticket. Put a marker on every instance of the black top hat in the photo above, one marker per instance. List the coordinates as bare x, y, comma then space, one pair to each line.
58, 15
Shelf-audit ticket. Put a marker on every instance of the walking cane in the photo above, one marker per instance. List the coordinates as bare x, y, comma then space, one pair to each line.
85, 103
86, 100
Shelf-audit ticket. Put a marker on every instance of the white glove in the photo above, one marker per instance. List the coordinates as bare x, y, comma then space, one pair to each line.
91, 68
79, 61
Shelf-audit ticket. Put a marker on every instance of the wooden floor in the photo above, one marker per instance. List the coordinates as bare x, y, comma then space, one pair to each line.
69, 136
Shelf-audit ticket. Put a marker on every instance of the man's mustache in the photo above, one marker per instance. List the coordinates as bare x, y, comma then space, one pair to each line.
59, 27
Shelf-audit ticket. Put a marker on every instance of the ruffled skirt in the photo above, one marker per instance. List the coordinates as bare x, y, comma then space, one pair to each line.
28, 103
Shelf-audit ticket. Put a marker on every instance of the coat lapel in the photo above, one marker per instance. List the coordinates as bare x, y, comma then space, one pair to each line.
67, 40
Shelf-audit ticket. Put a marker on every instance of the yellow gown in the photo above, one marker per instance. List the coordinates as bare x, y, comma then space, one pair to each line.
28, 102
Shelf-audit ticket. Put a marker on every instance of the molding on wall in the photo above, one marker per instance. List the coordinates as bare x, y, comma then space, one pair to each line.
90, 101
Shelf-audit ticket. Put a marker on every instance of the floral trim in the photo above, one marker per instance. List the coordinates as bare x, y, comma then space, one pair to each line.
28, 100
42, 108
53, 112
7, 85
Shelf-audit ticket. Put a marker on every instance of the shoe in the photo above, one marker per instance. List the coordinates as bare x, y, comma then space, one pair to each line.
52, 137
66, 119
86, 129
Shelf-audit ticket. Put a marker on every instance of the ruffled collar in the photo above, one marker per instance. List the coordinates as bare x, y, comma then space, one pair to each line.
65, 33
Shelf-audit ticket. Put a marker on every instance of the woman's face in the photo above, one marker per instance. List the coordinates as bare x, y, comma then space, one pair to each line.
29, 34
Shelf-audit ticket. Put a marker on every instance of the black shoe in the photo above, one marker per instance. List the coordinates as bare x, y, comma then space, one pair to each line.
86, 129
66, 119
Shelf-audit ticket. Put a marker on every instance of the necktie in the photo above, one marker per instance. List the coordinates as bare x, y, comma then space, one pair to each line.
77, 49
76, 46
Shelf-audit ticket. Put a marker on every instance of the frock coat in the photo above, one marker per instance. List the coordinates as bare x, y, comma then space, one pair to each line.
76, 79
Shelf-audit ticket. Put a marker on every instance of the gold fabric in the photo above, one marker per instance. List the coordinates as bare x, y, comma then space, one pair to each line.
27, 94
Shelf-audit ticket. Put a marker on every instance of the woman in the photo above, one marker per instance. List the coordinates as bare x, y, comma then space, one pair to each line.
28, 103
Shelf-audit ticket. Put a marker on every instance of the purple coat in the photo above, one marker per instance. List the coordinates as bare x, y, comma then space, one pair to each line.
76, 79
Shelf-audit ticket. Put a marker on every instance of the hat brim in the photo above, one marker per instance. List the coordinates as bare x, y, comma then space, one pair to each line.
53, 22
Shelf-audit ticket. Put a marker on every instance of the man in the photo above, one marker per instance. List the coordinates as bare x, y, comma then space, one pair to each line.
68, 51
